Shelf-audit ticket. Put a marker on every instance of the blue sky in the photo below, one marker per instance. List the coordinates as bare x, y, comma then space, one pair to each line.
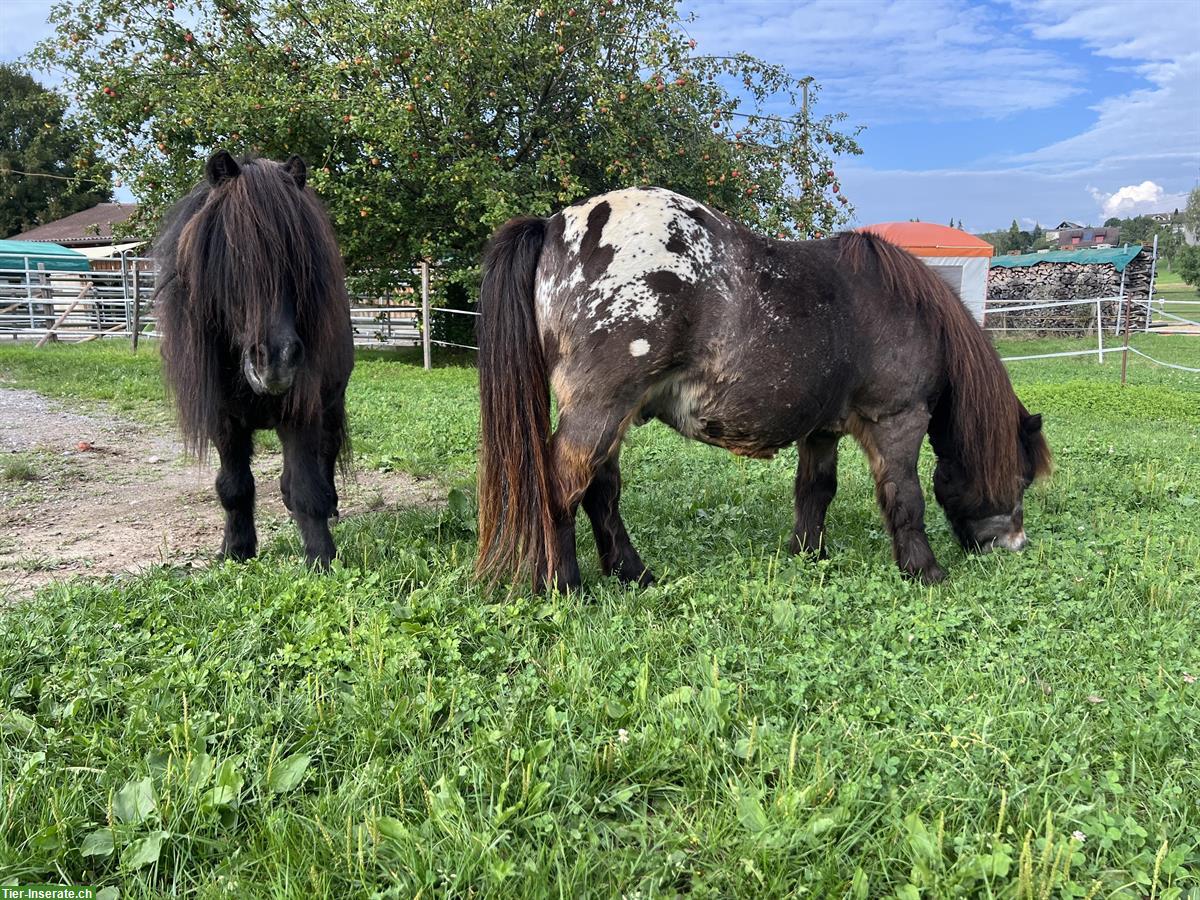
985, 112
988, 112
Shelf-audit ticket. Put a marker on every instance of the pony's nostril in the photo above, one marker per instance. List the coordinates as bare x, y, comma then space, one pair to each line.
290, 354
293, 353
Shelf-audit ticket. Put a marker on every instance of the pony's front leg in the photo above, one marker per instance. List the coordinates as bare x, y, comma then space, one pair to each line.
235, 488
892, 446
816, 484
309, 491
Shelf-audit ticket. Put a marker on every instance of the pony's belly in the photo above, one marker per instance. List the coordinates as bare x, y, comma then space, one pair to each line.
694, 409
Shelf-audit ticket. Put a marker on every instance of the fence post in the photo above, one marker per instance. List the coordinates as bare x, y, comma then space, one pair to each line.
137, 309
426, 336
1120, 300
1125, 352
1099, 333
1150, 294
29, 292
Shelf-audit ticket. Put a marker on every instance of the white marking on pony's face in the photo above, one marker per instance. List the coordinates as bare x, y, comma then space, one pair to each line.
640, 347
1015, 542
1000, 531
640, 225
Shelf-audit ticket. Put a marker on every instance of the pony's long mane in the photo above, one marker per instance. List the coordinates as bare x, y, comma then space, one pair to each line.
229, 255
984, 413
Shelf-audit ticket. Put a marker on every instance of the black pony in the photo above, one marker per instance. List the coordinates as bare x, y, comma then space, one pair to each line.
256, 332
643, 304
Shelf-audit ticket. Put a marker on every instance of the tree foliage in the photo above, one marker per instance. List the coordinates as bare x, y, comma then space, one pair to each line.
1144, 229
48, 166
429, 122
1187, 264
1014, 238
1190, 217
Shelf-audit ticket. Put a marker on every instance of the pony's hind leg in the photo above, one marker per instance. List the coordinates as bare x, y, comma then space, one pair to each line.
308, 492
586, 437
235, 488
892, 445
601, 502
816, 484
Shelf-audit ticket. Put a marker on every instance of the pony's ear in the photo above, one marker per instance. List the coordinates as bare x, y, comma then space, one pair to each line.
221, 167
1031, 425
298, 169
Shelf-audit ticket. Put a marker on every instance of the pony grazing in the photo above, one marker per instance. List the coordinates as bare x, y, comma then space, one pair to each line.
256, 334
642, 304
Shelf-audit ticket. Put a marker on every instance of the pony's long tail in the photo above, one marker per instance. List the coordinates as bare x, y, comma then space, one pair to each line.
516, 483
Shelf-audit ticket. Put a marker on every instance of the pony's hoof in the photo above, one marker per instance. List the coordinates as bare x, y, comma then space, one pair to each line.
318, 562
930, 574
800, 547
558, 583
236, 554
642, 579
933, 575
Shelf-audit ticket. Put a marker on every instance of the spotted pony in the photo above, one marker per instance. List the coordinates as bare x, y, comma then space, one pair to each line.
643, 304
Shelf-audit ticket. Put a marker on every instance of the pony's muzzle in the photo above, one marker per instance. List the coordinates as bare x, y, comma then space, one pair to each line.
271, 369
1015, 542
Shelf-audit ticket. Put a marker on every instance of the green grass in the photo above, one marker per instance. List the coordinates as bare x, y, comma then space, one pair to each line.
18, 470
1170, 287
755, 725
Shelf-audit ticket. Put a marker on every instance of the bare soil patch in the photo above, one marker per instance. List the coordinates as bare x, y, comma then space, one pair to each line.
93, 494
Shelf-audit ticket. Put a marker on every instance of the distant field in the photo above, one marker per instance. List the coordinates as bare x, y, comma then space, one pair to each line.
1170, 287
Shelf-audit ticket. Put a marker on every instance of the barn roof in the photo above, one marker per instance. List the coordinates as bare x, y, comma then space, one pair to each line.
1117, 257
89, 227
929, 239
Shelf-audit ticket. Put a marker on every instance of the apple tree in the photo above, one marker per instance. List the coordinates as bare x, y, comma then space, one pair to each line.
426, 123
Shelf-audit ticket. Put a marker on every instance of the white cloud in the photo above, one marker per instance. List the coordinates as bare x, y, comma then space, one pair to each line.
1136, 199
1159, 41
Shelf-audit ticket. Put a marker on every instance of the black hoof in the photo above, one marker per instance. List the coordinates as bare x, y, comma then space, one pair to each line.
804, 548
543, 585
933, 574
236, 554
643, 578
319, 562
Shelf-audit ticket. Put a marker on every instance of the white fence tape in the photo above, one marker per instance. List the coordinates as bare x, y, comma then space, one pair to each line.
1094, 352
1159, 362
997, 308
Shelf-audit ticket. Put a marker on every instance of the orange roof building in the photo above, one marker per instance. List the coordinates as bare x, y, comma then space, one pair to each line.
960, 259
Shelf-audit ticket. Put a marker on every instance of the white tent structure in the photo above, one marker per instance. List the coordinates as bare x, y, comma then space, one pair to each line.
960, 259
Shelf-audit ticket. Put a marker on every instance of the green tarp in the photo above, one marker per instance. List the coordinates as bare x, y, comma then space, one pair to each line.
13, 255
1117, 257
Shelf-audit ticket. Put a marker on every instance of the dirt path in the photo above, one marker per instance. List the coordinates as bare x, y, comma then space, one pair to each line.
93, 494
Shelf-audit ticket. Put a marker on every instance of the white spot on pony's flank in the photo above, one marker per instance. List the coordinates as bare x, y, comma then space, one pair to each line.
640, 347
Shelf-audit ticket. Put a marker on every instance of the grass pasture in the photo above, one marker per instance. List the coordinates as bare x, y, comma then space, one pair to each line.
752, 726
1178, 297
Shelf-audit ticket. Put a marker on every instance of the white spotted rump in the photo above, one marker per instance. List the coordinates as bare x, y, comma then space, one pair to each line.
641, 224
